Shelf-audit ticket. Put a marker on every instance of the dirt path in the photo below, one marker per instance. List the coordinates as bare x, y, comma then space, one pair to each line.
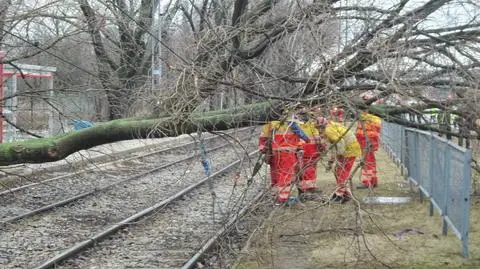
357, 235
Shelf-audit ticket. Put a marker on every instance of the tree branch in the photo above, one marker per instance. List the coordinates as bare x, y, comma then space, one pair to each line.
98, 46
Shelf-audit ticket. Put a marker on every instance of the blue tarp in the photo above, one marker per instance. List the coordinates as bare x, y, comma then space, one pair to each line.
81, 124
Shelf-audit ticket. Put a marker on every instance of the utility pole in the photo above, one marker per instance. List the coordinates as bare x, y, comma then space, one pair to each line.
156, 38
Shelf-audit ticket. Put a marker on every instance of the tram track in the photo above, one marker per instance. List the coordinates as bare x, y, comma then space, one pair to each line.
81, 195
175, 234
27, 242
15, 180
45, 195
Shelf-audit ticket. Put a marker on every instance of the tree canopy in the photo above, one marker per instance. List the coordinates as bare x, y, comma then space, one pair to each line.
171, 61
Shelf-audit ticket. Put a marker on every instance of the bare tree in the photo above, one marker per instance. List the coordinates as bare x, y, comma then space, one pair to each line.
274, 52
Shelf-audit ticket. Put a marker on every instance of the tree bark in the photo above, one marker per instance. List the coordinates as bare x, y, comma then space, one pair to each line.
56, 148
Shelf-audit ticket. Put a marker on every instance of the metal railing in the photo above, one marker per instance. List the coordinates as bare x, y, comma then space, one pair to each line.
441, 170
393, 139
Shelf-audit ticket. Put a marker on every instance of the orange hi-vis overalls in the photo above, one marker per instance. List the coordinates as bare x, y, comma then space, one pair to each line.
283, 159
311, 152
369, 127
347, 150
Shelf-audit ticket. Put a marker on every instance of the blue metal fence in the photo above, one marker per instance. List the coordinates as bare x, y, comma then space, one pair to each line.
441, 170
393, 139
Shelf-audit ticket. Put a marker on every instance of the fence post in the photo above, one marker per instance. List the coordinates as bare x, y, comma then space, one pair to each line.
431, 170
467, 175
415, 174
404, 153
399, 145
411, 158
447, 180
406, 156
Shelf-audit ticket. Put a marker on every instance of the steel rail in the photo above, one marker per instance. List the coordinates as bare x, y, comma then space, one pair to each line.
89, 169
191, 262
51, 263
88, 193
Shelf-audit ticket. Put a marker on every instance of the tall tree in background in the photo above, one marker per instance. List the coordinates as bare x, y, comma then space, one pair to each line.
123, 67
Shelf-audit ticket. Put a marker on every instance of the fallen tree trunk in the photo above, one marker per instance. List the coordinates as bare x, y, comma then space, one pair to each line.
56, 148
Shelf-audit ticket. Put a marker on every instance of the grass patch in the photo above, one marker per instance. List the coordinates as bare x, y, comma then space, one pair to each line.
348, 236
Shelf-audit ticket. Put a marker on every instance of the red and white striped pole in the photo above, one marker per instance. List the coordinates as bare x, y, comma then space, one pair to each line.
2, 56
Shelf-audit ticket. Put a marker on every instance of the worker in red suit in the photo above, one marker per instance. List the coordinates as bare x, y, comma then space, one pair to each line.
368, 135
280, 141
307, 182
346, 150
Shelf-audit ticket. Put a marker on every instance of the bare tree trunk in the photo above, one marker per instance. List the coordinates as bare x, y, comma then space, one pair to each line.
4, 6
123, 79
57, 148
